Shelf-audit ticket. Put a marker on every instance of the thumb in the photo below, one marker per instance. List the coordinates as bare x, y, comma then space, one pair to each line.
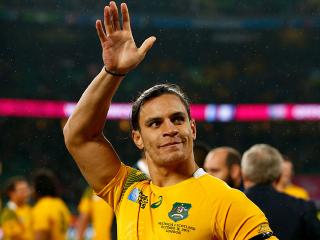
146, 45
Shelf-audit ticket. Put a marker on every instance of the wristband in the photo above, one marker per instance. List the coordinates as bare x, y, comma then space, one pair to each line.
114, 74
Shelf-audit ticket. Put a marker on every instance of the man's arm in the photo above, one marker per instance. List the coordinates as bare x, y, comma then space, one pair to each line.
83, 131
82, 224
42, 235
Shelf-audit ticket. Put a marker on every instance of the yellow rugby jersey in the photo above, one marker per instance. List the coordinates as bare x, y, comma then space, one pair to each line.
201, 207
51, 214
101, 214
16, 221
296, 191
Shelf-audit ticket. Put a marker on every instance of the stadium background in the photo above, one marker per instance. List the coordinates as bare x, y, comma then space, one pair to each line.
223, 52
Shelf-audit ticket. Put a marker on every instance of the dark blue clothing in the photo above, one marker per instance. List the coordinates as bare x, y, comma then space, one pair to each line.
289, 218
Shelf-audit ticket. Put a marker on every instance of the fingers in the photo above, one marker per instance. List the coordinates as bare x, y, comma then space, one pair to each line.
107, 20
101, 33
115, 16
146, 45
125, 17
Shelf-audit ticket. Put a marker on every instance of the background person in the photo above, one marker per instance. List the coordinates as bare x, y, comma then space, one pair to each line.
15, 219
50, 215
224, 163
285, 183
94, 209
289, 217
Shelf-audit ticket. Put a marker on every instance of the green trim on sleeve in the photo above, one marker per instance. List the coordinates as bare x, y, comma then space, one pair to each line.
133, 177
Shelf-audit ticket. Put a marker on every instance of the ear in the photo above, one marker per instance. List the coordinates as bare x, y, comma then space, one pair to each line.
193, 128
136, 136
235, 171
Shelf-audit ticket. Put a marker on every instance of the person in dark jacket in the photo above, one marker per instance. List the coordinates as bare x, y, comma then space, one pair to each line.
290, 218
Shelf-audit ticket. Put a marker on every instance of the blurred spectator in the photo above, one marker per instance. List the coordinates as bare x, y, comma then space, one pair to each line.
95, 209
15, 218
224, 163
285, 182
50, 215
290, 218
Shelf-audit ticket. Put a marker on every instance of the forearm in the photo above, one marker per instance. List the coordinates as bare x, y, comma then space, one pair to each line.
83, 222
42, 235
89, 116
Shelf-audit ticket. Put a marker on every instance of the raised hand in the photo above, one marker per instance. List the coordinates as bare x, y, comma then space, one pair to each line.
119, 51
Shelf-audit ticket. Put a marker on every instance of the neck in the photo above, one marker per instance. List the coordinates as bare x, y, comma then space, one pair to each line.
247, 184
237, 183
15, 204
168, 176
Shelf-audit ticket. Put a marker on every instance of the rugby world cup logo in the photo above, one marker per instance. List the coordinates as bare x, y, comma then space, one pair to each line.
179, 211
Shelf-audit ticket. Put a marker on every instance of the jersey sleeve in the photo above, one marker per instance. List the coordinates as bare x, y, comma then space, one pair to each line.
113, 192
10, 224
242, 219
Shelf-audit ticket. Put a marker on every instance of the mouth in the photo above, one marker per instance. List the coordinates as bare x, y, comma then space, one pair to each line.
170, 144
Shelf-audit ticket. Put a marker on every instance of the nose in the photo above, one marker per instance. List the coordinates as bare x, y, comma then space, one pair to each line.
169, 129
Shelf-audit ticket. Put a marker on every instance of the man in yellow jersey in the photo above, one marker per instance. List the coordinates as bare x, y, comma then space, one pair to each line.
50, 215
180, 201
15, 219
285, 182
224, 163
94, 208
289, 217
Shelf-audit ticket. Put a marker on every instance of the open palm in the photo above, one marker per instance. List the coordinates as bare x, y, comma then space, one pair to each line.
119, 51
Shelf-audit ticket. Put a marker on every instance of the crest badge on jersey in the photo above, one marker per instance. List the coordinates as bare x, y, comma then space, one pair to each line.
179, 211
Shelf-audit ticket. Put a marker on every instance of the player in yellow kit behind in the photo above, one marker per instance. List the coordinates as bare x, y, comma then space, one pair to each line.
50, 215
285, 183
95, 209
15, 218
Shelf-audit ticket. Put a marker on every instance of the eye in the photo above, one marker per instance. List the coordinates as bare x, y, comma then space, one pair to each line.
154, 124
178, 120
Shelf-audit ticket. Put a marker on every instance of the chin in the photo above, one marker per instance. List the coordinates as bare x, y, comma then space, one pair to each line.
173, 158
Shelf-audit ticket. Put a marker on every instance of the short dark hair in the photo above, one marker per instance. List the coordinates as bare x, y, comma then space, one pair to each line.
45, 183
12, 182
152, 93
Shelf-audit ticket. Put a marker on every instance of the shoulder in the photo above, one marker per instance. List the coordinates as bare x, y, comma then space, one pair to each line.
218, 189
212, 184
43, 205
7, 214
292, 200
126, 178
208, 181
87, 194
297, 191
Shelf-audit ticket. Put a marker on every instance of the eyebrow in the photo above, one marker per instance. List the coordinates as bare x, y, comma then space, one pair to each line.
178, 114
154, 119
151, 120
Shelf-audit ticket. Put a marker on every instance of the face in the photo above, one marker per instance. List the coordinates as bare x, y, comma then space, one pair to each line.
286, 173
215, 165
21, 193
166, 134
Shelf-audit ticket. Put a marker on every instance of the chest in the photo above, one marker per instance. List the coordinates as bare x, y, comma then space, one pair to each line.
144, 214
